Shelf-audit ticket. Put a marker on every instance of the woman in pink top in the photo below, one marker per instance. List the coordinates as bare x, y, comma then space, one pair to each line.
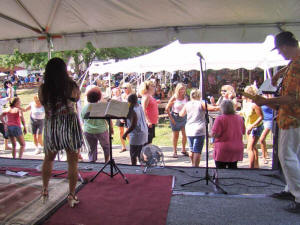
150, 107
228, 131
12, 126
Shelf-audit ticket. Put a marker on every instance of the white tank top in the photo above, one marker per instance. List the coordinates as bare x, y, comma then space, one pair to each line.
37, 113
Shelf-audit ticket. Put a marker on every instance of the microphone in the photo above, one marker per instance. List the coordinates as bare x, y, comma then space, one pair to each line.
200, 55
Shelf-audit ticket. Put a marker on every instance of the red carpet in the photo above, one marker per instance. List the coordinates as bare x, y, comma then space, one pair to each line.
144, 201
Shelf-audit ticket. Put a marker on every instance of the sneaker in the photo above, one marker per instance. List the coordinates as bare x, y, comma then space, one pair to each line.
283, 195
294, 207
37, 151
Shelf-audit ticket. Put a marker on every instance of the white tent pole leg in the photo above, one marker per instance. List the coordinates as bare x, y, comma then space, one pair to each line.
265, 74
268, 75
49, 45
109, 84
242, 75
84, 76
250, 76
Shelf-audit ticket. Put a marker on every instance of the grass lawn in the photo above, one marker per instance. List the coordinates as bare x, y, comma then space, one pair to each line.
163, 131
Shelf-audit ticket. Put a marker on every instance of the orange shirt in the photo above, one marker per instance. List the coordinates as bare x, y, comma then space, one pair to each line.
289, 115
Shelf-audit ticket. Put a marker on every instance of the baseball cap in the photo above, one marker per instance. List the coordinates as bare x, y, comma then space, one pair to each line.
285, 38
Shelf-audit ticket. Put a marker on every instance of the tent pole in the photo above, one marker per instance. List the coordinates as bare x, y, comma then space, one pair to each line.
242, 74
49, 45
250, 76
109, 82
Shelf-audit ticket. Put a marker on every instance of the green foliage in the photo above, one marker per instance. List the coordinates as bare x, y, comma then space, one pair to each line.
83, 56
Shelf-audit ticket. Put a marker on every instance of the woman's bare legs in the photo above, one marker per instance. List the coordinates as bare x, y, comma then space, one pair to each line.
263, 144
47, 168
183, 139
175, 141
196, 159
35, 140
72, 158
13, 146
21, 141
6, 147
123, 144
40, 139
252, 151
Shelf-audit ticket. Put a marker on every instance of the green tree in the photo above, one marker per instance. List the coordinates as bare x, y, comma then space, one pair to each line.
84, 56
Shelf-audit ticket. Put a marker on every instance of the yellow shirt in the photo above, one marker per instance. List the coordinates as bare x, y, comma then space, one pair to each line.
250, 114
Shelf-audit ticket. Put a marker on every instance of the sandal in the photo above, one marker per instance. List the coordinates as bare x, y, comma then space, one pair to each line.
175, 156
266, 161
72, 200
123, 150
44, 195
185, 153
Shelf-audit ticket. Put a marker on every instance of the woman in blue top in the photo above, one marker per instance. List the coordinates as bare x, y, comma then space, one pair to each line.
137, 128
268, 124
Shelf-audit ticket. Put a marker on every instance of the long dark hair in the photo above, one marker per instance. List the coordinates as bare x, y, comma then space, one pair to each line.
57, 85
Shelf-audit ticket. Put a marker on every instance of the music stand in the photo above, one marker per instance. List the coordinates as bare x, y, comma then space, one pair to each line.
207, 177
111, 161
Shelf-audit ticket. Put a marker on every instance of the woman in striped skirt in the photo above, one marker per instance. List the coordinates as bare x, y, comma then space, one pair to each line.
58, 95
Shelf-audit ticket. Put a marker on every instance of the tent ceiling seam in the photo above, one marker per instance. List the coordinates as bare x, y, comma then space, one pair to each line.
176, 29
20, 3
21, 24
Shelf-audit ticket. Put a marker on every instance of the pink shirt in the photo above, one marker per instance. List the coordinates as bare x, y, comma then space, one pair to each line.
229, 147
152, 110
13, 119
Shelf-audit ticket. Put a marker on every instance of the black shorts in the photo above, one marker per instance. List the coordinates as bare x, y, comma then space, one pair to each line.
151, 133
37, 125
2, 131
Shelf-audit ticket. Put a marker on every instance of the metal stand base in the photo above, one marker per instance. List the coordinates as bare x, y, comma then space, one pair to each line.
111, 162
210, 179
113, 167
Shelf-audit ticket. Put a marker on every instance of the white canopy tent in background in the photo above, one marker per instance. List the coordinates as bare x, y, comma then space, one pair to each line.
177, 56
38, 25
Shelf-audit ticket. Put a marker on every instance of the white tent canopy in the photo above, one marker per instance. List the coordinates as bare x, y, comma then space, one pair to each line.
69, 24
177, 56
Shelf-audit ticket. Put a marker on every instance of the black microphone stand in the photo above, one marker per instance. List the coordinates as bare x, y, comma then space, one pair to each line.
207, 177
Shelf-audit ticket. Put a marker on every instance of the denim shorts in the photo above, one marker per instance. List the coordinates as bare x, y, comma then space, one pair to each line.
14, 131
268, 124
196, 143
179, 122
256, 131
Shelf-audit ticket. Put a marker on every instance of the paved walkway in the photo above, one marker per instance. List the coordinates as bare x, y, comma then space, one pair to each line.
123, 158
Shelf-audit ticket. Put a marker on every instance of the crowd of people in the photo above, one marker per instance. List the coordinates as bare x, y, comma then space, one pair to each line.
54, 112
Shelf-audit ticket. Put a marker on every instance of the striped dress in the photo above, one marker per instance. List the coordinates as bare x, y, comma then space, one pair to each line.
62, 129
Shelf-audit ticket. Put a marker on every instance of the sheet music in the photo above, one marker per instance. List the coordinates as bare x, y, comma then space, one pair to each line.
117, 109
97, 109
268, 87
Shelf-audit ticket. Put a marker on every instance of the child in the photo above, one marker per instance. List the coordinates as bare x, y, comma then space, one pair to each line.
138, 129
